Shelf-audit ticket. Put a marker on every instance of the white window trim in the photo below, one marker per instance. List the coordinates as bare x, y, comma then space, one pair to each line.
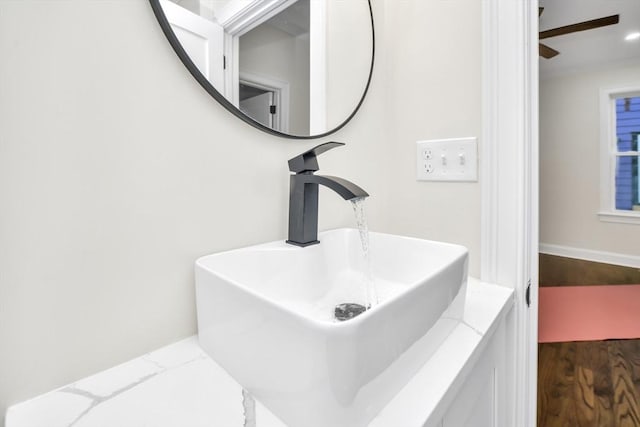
608, 212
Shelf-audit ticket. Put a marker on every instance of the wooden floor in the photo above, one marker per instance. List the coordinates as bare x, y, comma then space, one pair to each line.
590, 383
560, 271
593, 383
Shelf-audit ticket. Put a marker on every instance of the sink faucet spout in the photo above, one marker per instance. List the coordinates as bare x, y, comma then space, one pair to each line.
303, 195
347, 189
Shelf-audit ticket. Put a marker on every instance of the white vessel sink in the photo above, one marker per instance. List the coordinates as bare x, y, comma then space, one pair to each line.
265, 314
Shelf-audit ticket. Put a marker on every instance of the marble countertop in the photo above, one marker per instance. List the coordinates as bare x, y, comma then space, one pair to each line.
179, 385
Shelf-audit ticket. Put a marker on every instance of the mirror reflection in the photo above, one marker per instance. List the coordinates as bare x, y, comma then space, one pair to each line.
297, 67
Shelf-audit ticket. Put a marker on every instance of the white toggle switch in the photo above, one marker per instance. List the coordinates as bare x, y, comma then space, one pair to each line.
455, 159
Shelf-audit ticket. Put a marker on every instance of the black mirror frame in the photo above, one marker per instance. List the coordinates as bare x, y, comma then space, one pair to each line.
182, 54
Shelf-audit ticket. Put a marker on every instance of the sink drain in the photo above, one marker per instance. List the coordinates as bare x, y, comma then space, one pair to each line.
348, 310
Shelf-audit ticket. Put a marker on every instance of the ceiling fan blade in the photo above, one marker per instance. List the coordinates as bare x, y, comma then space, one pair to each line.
546, 52
581, 26
540, 10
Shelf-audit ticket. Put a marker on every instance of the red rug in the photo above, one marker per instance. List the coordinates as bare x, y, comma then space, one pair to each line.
588, 313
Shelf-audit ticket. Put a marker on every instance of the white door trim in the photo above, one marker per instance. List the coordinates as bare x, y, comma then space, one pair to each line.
280, 91
237, 18
509, 177
241, 16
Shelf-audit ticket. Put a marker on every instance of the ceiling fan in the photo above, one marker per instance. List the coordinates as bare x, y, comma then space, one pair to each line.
547, 52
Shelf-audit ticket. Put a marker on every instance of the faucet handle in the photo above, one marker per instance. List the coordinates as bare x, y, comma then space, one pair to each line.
307, 162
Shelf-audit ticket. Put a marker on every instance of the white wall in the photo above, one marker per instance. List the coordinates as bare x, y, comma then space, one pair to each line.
347, 54
570, 162
434, 91
117, 170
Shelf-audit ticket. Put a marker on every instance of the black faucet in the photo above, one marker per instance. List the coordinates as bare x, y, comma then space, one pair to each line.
303, 194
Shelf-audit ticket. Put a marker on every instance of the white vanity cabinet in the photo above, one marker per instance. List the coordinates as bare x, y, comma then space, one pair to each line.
483, 399
469, 381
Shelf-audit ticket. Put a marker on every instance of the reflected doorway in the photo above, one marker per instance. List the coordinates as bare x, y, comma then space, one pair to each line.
258, 104
265, 100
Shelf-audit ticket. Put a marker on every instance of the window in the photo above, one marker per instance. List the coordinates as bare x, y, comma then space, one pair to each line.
620, 152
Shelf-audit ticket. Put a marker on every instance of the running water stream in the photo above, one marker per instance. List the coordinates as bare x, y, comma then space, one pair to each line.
369, 290
371, 296
249, 405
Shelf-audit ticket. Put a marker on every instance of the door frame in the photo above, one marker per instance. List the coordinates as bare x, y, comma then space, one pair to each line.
238, 18
280, 91
509, 179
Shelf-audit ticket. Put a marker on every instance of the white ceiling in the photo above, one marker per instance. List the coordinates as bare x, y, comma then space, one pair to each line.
591, 48
294, 20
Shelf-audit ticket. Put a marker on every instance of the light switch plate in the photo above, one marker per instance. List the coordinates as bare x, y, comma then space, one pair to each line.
454, 159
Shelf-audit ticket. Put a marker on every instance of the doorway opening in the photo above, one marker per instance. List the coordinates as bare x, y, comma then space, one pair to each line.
588, 114
265, 100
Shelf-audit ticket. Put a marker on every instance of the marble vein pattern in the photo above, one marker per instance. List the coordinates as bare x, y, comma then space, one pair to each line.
179, 385
175, 385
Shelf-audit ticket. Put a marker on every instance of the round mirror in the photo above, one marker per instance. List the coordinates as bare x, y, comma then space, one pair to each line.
293, 68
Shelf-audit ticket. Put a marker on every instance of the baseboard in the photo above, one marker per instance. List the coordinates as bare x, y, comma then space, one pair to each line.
591, 255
